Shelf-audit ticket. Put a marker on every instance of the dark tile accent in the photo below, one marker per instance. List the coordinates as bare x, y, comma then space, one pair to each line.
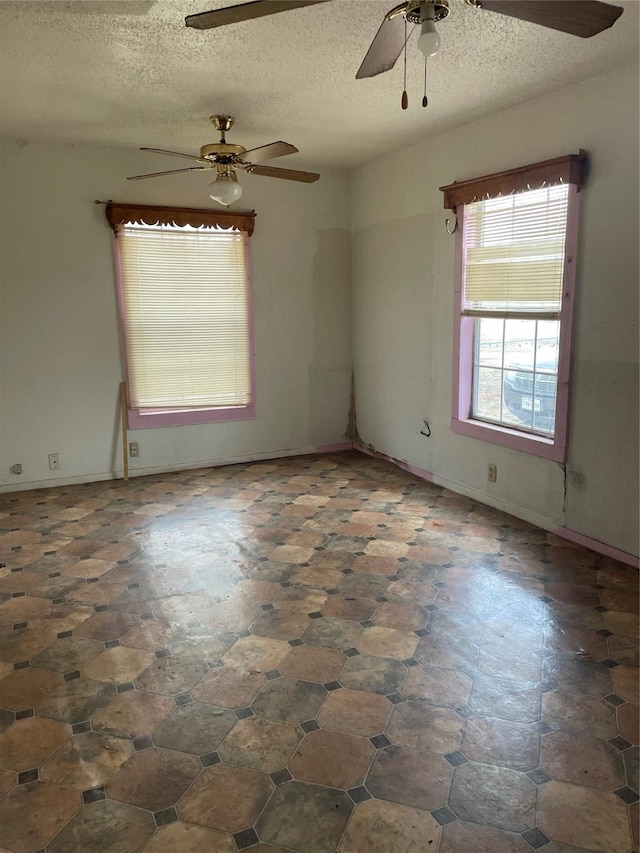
100, 608
22, 715
18, 625
350, 653
162, 818
620, 743
309, 726
246, 838
163, 653
367, 624
145, 616
183, 699
422, 632
410, 662
535, 837
210, 759
126, 687
333, 592
54, 575
267, 607
286, 584
280, 776
28, 776
543, 728
605, 633
134, 585
396, 698
315, 615
439, 585
243, 633
93, 795
626, 794
142, 743
347, 571
359, 795
382, 599
215, 664
614, 700
545, 598
93, 580
295, 643
539, 777
81, 728
71, 676
456, 758
62, 601
431, 607
380, 741
273, 673
63, 634
23, 664
609, 663
243, 713
444, 815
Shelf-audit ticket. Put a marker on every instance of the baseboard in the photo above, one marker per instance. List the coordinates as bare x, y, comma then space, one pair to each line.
525, 515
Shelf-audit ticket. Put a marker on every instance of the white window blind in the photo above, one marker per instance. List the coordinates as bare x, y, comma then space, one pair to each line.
514, 251
186, 316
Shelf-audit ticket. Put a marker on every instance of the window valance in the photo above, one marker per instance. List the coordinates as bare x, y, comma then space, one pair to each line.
570, 169
241, 220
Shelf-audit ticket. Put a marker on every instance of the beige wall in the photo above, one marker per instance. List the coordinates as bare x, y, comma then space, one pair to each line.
60, 363
403, 309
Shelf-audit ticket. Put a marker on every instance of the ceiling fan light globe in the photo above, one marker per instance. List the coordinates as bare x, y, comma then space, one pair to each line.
428, 40
225, 190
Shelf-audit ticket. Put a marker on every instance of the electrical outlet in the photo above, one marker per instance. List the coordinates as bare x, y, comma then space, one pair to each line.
54, 461
134, 448
492, 474
16, 469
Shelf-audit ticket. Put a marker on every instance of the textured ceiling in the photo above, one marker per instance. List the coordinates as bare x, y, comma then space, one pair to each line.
78, 72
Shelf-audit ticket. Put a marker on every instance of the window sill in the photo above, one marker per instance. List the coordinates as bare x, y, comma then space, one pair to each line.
535, 445
137, 420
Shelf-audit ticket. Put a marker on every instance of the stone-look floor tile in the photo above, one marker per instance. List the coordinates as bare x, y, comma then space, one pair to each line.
582, 760
422, 726
302, 599
152, 634
260, 744
446, 652
289, 699
105, 827
634, 815
317, 576
580, 715
226, 798
507, 700
332, 633
625, 683
86, 761
5, 669
410, 777
373, 565
280, 625
28, 742
573, 594
32, 814
76, 700
472, 838
311, 663
68, 654
495, 796
629, 722
24, 608
374, 674
6, 719
363, 586
624, 624
90, 568
133, 714
27, 687
583, 817
621, 600
632, 768
572, 641
229, 687
171, 676
119, 665
450, 689
382, 827
202, 643
403, 617
499, 662
304, 817
576, 676
182, 837
7, 781
108, 625
154, 779
332, 759
388, 642
355, 712
261, 654
508, 744
196, 728
349, 607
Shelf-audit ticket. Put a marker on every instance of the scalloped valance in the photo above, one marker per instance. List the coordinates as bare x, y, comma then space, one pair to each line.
570, 169
117, 214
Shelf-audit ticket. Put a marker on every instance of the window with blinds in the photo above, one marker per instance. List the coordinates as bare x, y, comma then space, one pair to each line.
185, 310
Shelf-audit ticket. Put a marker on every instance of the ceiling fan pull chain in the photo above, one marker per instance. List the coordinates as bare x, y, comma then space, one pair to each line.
405, 97
425, 100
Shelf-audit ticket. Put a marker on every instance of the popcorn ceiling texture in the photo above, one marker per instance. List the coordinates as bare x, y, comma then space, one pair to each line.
76, 72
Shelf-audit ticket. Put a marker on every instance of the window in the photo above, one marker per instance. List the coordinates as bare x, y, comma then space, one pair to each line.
516, 245
185, 311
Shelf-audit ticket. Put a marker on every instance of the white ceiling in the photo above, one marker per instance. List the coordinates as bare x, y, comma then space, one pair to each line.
76, 72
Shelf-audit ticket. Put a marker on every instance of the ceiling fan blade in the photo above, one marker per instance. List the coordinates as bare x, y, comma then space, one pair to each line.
173, 153
584, 18
385, 49
268, 152
171, 172
287, 174
244, 12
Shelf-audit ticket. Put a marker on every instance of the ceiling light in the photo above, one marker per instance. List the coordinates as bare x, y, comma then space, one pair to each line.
428, 40
225, 189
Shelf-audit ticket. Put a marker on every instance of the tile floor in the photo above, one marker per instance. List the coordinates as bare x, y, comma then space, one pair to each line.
315, 654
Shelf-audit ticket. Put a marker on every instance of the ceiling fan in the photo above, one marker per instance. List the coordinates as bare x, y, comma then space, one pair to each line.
224, 158
584, 18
